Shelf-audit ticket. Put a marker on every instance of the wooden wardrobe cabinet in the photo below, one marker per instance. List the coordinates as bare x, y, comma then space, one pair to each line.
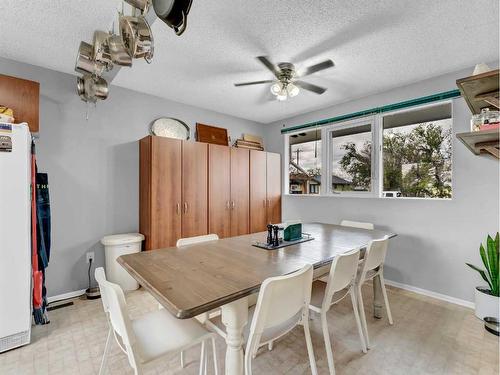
240, 191
192, 188
265, 190
228, 191
173, 190
273, 187
219, 190
160, 191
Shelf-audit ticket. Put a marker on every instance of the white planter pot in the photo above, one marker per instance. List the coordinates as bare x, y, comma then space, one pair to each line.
486, 304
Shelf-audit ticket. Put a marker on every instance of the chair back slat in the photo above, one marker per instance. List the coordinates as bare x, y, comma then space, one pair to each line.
375, 254
357, 224
342, 274
197, 239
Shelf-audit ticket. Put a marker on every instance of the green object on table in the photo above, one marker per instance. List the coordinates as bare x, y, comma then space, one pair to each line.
292, 232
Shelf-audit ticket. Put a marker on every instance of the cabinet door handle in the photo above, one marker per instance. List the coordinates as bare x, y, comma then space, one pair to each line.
228, 205
185, 207
265, 203
178, 208
233, 205
268, 203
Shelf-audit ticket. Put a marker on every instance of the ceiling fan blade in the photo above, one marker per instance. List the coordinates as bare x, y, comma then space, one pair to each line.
253, 83
269, 65
317, 67
309, 86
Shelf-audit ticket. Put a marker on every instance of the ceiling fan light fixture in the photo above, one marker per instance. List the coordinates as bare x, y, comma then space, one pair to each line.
292, 90
276, 88
282, 95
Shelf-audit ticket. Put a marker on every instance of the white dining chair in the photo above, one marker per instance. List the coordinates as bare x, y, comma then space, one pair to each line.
341, 282
203, 318
152, 336
357, 224
352, 224
283, 303
372, 266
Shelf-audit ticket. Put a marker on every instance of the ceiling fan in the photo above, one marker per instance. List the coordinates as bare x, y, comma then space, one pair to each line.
287, 83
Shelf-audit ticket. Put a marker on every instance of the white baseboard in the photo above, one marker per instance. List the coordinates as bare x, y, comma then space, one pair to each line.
59, 297
428, 293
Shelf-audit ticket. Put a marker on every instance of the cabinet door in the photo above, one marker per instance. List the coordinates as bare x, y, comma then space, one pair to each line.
273, 172
219, 190
240, 191
160, 191
258, 198
194, 188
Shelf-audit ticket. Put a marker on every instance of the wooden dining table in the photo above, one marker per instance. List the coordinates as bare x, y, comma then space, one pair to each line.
194, 279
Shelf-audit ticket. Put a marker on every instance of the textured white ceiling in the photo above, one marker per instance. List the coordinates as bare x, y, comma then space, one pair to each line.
376, 45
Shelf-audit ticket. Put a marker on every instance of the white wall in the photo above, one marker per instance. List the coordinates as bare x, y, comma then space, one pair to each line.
435, 237
93, 165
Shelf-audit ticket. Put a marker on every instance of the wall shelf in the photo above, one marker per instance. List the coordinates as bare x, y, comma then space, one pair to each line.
480, 91
480, 142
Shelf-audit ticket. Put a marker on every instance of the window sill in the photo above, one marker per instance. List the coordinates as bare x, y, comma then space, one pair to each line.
366, 197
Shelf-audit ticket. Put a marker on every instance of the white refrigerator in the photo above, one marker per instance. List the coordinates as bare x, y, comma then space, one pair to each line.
15, 235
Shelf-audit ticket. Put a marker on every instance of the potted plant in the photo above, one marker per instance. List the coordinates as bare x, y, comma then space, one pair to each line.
487, 297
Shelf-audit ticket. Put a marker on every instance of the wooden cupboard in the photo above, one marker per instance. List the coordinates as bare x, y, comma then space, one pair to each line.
159, 205
228, 191
194, 189
258, 194
265, 190
191, 188
219, 190
240, 191
173, 198
23, 96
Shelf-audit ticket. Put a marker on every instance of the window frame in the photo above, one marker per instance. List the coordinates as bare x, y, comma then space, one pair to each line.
377, 173
350, 124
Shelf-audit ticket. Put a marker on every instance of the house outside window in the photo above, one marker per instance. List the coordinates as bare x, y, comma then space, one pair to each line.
305, 163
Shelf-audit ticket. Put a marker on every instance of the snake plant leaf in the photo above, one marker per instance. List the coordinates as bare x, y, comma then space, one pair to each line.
481, 272
492, 252
484, 258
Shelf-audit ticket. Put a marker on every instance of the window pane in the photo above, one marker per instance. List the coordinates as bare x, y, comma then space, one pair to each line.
305, 163
417, 160
351, 161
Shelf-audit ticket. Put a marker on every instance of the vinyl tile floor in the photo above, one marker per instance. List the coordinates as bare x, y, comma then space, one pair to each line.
429, 336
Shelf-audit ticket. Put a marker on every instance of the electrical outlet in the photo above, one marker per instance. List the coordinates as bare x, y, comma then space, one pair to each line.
90, 255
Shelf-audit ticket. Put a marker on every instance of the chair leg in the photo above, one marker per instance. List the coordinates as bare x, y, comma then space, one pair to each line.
363, 316
248, 364
102, 369
386, 300
310, 350
216, 367
358, 321
328, 345
205, 363
202, 359
182, 359
270, 345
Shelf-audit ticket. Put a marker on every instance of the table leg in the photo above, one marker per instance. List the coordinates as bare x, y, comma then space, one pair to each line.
235, 317
378, 304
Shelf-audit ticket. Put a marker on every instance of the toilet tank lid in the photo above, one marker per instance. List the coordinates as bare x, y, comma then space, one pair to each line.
122, 239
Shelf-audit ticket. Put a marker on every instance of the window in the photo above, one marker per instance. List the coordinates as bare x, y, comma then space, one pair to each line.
403, 154
305, 162
417, 153
351, 161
